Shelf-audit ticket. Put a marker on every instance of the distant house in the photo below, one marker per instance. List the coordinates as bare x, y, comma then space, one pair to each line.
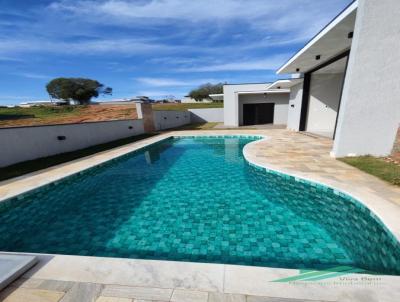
43, 103
188, 99
127, 101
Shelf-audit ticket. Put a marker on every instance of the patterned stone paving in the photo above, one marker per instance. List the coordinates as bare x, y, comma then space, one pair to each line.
309, 157
36, 290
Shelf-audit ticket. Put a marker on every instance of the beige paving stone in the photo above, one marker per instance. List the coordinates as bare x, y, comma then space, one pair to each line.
146, 293
221, 297
181, 295
60, 286
113, 299
31, 295
83, 292
27, 283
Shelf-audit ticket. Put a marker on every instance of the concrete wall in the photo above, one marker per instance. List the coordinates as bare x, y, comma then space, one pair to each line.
170, 119
26, 143
231, 103
281, 101
325, 90
370, 110
214, 115
294, 109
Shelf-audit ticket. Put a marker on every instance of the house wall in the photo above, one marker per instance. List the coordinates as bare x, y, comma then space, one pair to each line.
294, 109
325, 91
370, 109
32, 142
214, 115
281, 101
170, 119
231, 103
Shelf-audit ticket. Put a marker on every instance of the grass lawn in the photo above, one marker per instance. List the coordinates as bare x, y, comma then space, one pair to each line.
378, 167
199, 126
46, 162
186, 106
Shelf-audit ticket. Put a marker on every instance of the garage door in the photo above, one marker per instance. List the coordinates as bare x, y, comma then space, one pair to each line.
258, 114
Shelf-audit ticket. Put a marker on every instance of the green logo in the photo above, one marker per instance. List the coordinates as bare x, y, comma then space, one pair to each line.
313, 275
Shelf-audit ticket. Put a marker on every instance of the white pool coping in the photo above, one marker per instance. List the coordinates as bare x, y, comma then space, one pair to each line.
224, 278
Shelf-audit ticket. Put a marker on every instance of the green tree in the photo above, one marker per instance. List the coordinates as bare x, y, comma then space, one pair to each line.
77, 89
204, 91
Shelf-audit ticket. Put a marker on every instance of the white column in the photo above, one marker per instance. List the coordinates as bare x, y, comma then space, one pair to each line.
370, 109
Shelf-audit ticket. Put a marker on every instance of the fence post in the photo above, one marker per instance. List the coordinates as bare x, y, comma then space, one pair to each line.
145, 112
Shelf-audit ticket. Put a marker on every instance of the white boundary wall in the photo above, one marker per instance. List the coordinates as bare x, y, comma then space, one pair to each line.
26, 143
170, 119
213, 115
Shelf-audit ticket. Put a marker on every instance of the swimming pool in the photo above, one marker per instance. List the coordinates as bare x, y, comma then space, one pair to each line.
197, 199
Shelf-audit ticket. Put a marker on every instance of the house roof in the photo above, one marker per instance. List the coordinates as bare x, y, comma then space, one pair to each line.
284, 84
264, 91
328, 43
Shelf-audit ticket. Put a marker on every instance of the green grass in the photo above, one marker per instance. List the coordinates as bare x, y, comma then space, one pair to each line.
41, 112
46, 162
199, 126
378, 167
186, 106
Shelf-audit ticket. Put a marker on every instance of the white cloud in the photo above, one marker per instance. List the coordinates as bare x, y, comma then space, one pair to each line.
102, 46
172, 82
30, 75
282, 16
270, 63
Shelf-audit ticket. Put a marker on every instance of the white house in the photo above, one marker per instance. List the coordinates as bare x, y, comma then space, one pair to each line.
346, 83
188, 99
253, 104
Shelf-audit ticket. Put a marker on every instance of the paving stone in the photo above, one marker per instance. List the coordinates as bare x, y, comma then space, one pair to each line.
273, 299
27, 283
30, 295
60, 286
113, 299
220, 297
181, 295
147, 293
83, 292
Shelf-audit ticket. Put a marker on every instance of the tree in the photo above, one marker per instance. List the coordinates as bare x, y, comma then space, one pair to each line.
77, 89
204, 91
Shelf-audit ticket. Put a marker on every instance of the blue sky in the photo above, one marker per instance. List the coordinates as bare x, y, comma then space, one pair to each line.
151, 47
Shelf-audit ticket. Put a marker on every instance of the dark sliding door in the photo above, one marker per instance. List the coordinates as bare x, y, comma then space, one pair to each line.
258, 114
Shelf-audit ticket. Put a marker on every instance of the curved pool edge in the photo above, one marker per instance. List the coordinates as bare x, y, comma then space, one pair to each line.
377, 214
19, 186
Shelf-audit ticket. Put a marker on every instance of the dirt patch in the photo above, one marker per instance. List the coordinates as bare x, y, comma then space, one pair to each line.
91, 113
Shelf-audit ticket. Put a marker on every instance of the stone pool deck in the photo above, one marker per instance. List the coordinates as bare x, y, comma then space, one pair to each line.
76, 278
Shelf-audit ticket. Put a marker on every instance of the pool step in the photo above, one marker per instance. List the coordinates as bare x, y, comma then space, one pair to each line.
13, 266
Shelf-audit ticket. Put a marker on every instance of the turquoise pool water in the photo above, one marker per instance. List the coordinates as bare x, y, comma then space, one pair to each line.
196, 199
